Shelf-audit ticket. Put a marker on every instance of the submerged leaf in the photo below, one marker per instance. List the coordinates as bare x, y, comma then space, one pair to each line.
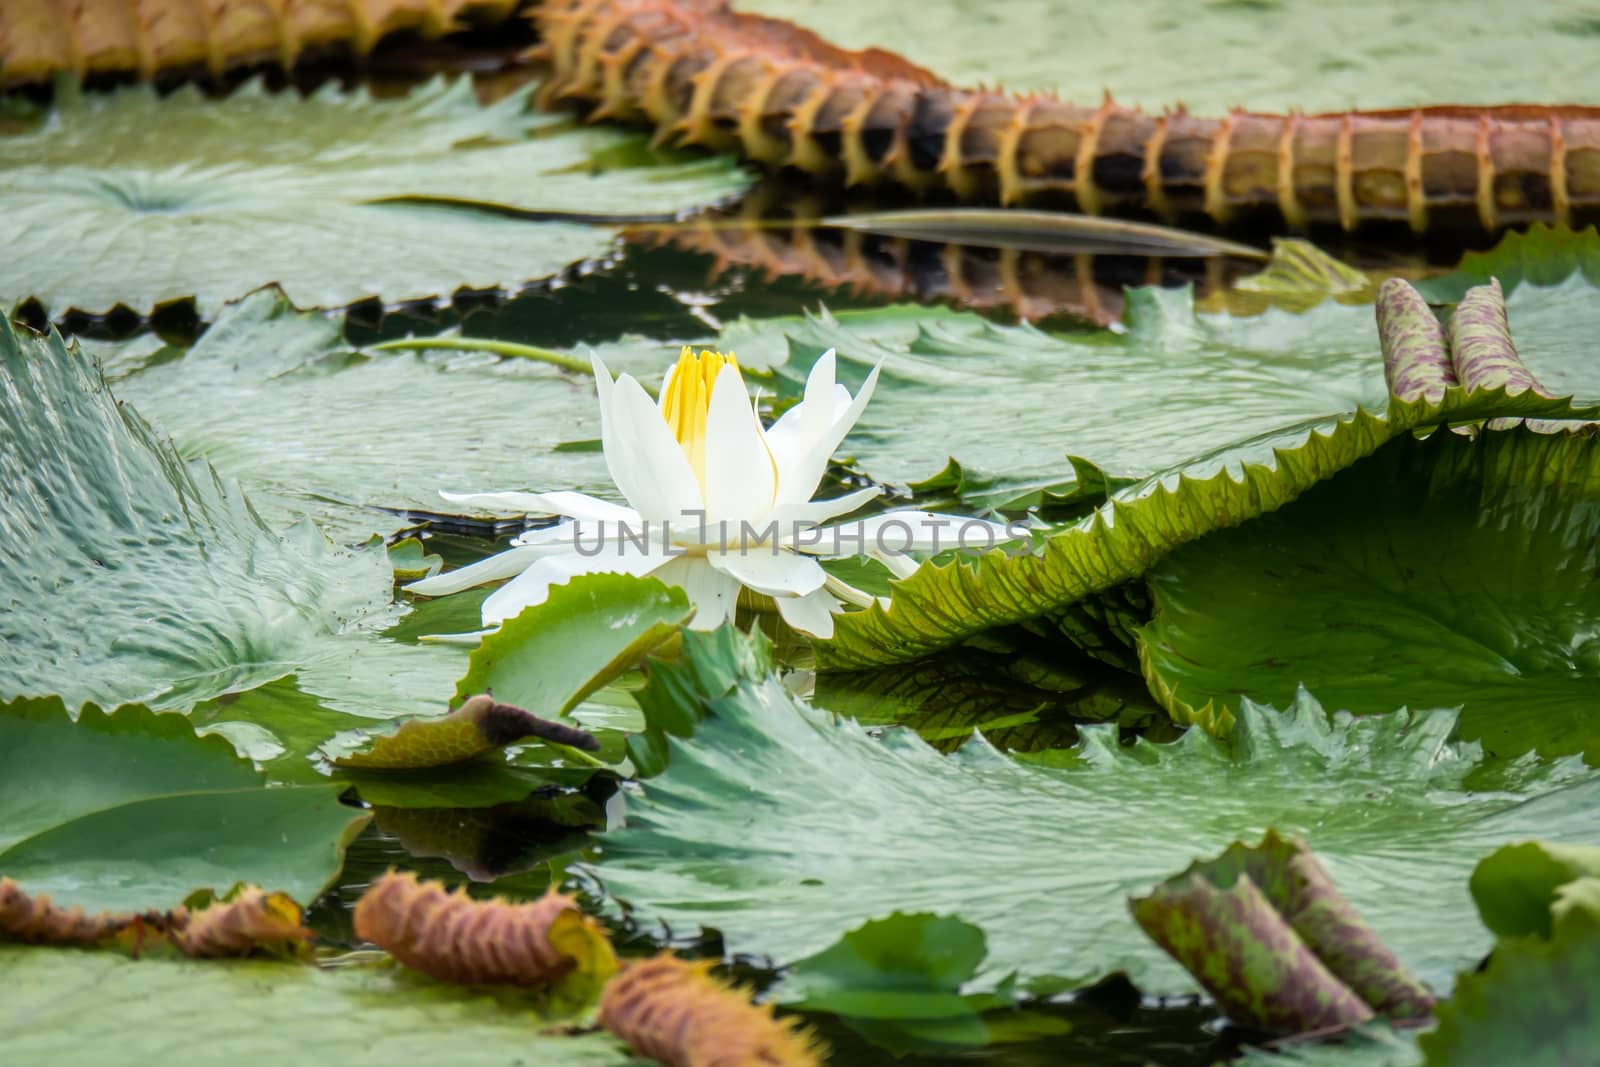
1267, 934
138, 199
1447, 572
783, 827
130, 811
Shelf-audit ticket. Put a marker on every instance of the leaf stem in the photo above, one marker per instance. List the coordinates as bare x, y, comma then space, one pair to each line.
499, 348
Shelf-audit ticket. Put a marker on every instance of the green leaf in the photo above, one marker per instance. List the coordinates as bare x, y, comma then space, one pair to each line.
943, 604
131, 811
70, 1007
275, 398
1516, 886
1542, 256
1266, 932
784, 827
1017, 400
677, 693
334, 197
1447, 572
1537, 1003
583, 635
479, 726
1373, 1045
133, 578
898, 980
1264, 55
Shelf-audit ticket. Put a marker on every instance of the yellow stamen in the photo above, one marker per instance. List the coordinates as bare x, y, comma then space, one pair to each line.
687, 400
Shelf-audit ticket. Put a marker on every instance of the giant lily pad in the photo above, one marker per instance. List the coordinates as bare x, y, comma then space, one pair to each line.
1267, 55
783, 827
69, 1007
941, 605
275, 398
335, 197
1441, 573
130, 577
131, 811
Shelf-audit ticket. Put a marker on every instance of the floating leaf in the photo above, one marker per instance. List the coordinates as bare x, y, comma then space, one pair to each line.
242, 923
1449, 572
65, 1007
898, 982
941, 605
783, 827
134, 578
334, 197
480, 725
1266, 932
1298, 277
1542, 255
38, 39
275, 398
130, 811
677, 694
584, 634
411, 560
1284, 56
1516, 886
1537, 1002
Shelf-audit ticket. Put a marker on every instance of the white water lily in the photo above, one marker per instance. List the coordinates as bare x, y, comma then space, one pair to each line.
716, 503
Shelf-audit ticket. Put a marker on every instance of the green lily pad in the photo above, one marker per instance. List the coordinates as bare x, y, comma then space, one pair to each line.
276, 399
1264, 55
943, 604
1018, 400
70, 1007
783, 827
583, 635
1449, 572
1540, 256
1537, 1002
1517, 885
130, 811
133, 578
334, 197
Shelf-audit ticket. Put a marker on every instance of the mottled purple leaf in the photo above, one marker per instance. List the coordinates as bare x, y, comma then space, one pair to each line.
1415, 361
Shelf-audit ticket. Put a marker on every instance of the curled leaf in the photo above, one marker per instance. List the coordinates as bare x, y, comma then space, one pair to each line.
1481, 348
26, 917
455, 938
1267, 933
480, 725
1415, 361
676, 1012
247, 921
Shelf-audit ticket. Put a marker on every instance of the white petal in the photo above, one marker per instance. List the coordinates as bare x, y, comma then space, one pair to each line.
786, 437
532, 586
811, 614
715, 595
913, 531
815, 511
562, 502
805, 471
616, 440
776, 574
740, 479
668, 487
498, 566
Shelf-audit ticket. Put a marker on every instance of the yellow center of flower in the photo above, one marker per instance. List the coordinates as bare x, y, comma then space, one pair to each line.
687, 401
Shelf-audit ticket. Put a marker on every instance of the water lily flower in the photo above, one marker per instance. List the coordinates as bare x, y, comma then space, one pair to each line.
716, 503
